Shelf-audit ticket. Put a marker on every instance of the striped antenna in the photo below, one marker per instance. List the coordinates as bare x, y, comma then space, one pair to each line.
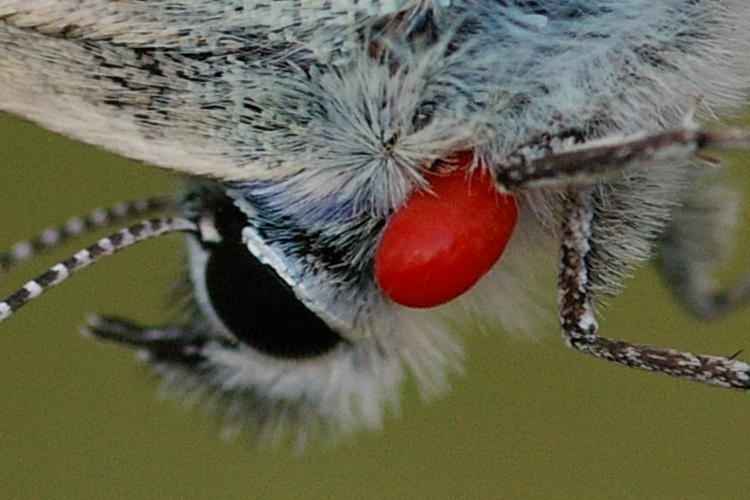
105, 247
80, 226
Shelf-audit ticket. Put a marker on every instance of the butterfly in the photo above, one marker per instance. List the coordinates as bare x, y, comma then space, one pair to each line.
357, 173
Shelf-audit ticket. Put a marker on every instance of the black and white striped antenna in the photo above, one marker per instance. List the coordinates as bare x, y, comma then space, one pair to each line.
74, 227
105, 247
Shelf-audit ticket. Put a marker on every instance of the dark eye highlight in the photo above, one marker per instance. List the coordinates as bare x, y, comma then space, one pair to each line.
254, 303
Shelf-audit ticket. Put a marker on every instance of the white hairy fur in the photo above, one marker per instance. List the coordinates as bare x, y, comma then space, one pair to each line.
289, 93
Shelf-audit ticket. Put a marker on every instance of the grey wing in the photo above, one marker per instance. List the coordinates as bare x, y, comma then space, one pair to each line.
213, 88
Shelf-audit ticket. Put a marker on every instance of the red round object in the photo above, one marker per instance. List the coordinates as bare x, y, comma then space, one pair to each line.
443, 240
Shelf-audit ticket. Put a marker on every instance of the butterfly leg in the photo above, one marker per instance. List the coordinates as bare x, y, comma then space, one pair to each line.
597, 159
695, 244
579, 326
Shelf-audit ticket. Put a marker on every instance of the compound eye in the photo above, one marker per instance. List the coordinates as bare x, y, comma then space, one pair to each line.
254, 303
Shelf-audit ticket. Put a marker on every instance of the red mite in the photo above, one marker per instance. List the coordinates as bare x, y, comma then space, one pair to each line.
444, 239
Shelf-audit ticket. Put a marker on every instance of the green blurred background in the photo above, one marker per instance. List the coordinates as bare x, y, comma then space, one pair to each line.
527, 419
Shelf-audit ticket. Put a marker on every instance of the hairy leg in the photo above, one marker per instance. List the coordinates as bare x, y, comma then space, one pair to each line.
579, 327
695, 244
584, 163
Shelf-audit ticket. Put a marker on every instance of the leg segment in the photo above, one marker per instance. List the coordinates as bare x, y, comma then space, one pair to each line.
579, 327
584, 163
695, 244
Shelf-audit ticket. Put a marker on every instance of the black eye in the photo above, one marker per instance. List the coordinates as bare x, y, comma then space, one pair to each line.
254, 303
